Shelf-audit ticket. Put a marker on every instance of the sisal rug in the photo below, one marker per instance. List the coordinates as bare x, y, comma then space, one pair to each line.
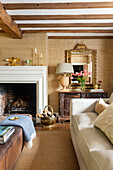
52, 150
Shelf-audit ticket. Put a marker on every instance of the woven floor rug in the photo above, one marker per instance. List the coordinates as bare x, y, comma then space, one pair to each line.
52, 150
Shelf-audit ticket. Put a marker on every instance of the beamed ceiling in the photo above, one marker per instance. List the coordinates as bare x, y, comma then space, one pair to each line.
57, 18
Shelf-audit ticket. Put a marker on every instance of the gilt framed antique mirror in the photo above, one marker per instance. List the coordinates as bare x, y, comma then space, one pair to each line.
82, 59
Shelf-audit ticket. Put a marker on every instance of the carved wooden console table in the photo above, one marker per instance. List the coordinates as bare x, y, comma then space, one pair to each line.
65, 97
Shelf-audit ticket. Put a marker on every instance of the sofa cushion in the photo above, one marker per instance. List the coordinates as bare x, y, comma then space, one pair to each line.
89, 138
85, 123
100, 106
105, 122
105, 158
85, 119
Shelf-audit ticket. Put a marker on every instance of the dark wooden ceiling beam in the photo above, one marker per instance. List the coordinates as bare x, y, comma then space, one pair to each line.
72, 37
61, 17
80, 37
67, 31
8, 25
66, 25
75, 5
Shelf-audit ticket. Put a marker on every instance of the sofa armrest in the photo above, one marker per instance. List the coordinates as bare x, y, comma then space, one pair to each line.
83, 105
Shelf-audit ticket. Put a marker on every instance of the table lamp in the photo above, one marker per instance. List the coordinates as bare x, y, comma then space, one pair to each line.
64, 68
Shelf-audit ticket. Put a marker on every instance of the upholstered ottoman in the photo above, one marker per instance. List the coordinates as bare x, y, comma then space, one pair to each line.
10, 151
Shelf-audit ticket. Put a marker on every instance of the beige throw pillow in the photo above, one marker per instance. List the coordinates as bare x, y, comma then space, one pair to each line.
111, 99
105, 122
100, 106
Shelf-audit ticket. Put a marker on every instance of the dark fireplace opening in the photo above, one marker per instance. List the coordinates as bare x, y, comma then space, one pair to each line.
18, 98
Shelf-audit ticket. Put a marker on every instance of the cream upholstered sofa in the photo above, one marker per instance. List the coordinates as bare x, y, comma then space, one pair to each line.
93, 149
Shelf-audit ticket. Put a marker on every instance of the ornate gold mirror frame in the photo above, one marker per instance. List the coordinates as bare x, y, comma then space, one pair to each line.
82, 50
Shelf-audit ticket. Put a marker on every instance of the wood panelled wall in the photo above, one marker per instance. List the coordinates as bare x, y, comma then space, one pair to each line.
56, 49
23, 48
53, 51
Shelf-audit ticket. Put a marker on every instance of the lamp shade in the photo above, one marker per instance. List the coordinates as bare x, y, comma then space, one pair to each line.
64, 68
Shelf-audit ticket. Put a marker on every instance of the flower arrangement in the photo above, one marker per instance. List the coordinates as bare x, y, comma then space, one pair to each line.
81, 78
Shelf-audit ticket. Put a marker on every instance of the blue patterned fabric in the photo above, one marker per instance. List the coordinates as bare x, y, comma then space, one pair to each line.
25, 122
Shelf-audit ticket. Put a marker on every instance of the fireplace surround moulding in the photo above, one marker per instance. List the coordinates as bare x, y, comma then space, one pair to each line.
28, 74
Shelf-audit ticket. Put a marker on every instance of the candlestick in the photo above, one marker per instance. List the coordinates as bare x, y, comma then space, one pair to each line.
35, 50
41, 55
35, 56
41, 59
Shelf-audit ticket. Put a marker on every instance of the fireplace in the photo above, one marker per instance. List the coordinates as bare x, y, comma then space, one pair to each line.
18, 98
23, 89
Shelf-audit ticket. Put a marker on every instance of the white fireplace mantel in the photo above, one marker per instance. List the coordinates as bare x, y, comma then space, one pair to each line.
28, 74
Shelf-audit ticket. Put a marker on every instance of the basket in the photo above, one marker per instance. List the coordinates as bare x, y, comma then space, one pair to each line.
47, 120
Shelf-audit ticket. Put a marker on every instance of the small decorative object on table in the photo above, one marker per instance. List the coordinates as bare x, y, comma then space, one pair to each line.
28, 61
95, 86
13, 61
14, 118
99, 84
48, 119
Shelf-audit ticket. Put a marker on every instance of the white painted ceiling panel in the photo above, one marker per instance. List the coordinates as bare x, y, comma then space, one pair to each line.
70, 28
80, 34
51, 1
63, 21
61, 11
